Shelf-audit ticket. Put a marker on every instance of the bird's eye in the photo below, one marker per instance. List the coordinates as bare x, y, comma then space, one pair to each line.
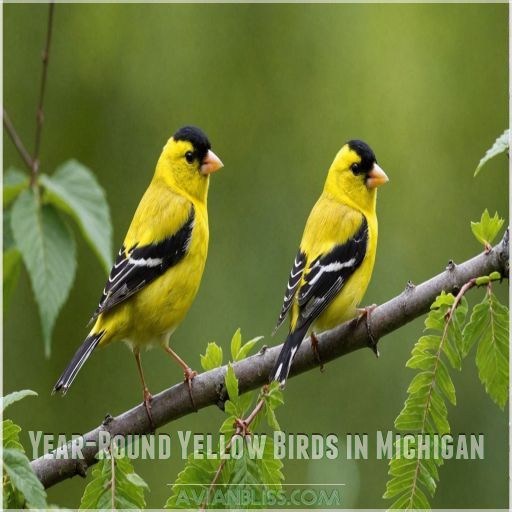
189, 155
355, 168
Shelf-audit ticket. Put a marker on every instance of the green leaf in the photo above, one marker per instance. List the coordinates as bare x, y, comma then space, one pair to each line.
12, 269
425, 411
48, 250
232, 384
11, 438
16, 396
493, 351
193, 482
500, 145
14, 183
128, 490
236, 343
17, 467
212, 358
73, 188
445, 383
247, 347
486, 230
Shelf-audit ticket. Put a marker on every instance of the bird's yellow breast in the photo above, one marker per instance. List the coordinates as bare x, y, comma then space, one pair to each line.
332, 223
155, 311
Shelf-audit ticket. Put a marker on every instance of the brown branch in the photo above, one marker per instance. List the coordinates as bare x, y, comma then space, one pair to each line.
253, 372
13, 134
40, 113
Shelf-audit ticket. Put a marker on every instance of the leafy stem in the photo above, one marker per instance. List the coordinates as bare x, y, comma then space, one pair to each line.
40, 112
32, 162
242, 429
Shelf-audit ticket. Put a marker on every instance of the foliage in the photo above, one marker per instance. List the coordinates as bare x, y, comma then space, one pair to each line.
37, 233
500, 145
74, 189
489, 327
48, 250
425, 412
114, 484
486, 230
425, 409
208, 481
21, 487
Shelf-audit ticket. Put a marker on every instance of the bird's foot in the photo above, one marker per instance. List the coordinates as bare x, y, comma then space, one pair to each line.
189, 375
148, 398
488, 248
366, 313
314, 346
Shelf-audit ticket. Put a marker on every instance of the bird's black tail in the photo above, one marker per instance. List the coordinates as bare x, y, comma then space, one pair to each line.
81, 355
290, 347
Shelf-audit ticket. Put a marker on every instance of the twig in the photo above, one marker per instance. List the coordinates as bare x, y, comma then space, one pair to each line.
253, 372
242, 427
13, 134
40, 113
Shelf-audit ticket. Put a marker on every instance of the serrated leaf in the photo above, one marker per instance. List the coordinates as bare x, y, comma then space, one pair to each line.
10, 433
493, 351
444, 299
136, 480
445, 383
17, 467
11, 269
212, 358
244, 402
501, 144
232, 384
48, 250
271, 418
271, 467
128, 490
193, 482
16, 396
475, 327
236, 343
73, 188
14, 183
486, 230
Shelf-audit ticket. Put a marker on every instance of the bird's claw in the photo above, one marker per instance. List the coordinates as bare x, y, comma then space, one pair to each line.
316, 352
148, 397
366, 314
189, 375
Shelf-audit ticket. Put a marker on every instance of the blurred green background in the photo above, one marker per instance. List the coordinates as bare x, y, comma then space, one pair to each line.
278, 89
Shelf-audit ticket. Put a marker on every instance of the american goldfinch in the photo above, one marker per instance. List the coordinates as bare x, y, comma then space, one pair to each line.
334, 264
158, 270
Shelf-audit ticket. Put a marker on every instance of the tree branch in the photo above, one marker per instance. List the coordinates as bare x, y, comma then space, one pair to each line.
253, 372
40, 113
13, 134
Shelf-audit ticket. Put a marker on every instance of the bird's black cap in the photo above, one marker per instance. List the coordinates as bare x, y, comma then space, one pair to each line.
365, 152
196, 137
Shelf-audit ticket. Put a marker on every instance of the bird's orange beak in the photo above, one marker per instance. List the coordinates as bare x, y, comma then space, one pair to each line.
211, 163
376, 177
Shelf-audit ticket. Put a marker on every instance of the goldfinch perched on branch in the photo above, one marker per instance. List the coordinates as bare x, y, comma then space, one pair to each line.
157, 272
335, 260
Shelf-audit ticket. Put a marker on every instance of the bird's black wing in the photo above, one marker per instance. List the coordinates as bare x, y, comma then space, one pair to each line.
293, 283
140, 265
328, 274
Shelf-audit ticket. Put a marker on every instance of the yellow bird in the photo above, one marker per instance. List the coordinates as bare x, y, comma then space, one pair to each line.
158, 270
334, 264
